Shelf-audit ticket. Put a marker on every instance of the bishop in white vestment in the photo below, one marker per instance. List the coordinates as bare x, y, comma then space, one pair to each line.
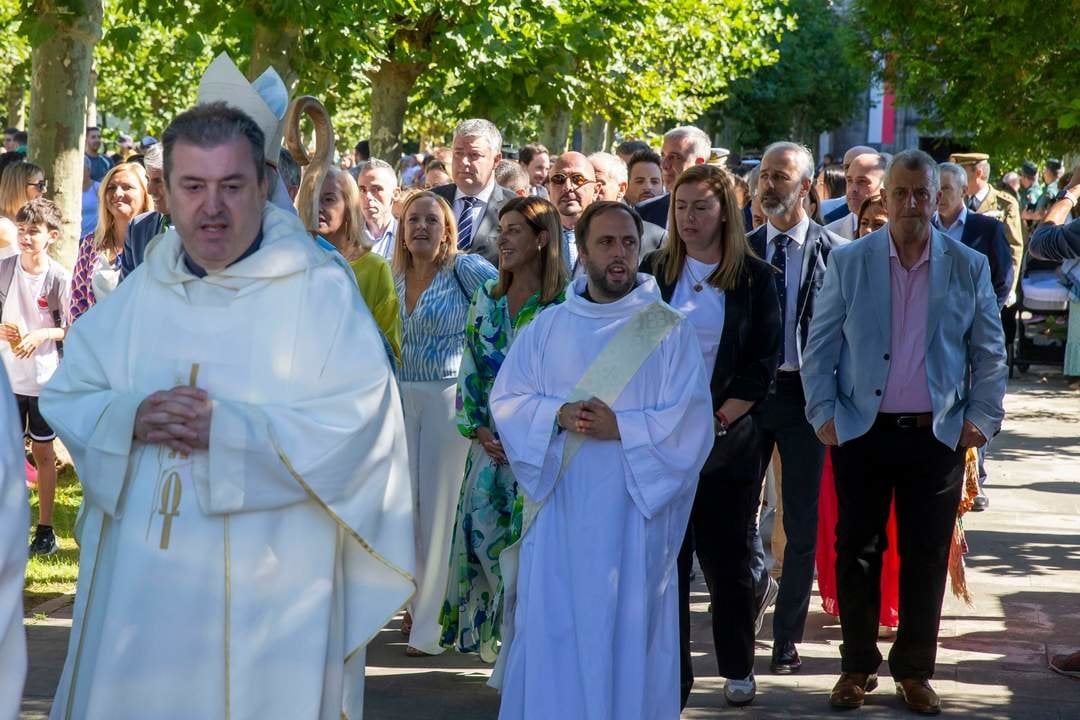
595, 629
14, 519
245, 579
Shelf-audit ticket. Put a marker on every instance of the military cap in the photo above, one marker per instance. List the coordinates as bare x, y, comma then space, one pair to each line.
969, 158
1053, 164
1028, 169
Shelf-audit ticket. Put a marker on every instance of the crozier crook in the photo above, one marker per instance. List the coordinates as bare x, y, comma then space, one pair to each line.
314, 166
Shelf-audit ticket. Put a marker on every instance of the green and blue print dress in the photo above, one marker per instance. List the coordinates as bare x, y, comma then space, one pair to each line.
489, 510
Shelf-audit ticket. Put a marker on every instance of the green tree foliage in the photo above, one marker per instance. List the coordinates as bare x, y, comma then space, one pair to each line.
1002, 74
813, 87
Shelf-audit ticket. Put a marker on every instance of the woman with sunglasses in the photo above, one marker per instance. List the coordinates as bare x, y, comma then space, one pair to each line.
123, 195
20, 183
532, 278
708, 272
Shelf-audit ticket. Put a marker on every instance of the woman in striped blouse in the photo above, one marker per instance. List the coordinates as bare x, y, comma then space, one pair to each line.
435, 286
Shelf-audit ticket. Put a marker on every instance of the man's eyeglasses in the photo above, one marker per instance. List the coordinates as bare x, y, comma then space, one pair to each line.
42, 186
576, 179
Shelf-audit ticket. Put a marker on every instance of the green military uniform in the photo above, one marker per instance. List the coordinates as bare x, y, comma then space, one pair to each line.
1001, 206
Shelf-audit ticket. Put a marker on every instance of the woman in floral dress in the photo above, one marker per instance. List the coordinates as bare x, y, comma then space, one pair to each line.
532, 277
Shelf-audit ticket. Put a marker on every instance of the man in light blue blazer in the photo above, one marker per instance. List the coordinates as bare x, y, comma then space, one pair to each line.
903, 370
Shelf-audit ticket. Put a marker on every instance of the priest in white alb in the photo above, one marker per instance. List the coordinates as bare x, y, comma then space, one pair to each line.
247, 523
603, 408
14, 519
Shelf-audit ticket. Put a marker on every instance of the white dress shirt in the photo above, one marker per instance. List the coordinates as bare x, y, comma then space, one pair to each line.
479, 208
384, 244
956, 230
792, 283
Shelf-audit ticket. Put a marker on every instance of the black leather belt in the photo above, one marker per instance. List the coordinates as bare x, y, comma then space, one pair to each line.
904, 421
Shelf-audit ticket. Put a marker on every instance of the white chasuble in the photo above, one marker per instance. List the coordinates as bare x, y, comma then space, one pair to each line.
243, 581
595, 610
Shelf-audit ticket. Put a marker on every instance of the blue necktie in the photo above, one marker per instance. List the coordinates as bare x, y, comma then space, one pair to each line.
465, 222
779, 261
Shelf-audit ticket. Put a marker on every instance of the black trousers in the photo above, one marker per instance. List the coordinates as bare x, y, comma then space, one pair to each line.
783, 420
719, 531
928, 478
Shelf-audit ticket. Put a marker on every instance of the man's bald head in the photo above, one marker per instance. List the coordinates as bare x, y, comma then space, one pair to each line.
572, 186
856, 152
864, 176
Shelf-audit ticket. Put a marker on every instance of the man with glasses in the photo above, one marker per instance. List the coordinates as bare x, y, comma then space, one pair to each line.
572, 188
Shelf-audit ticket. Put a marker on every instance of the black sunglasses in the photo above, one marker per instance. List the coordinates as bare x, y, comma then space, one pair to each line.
42, 186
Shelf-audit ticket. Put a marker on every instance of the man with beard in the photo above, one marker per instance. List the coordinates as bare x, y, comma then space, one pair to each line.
607, 461
474, 195
799, 249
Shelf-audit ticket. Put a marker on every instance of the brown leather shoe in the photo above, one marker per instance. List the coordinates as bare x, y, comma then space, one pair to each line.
850, 690
919, 696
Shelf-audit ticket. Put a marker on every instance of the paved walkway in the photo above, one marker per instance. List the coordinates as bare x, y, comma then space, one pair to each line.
1024, 571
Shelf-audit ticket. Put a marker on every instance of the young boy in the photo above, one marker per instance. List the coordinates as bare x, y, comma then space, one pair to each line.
34, 299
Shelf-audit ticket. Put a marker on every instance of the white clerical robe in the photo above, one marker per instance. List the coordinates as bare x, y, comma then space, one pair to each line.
243, 581
596, 626
14, 520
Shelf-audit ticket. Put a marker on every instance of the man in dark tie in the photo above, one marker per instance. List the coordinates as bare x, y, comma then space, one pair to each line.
572, 188
683, 147
474, 195
798, 248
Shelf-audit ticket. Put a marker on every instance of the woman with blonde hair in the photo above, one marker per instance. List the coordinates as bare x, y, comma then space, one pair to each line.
707, 271
435, 286
122, 196
532, 278
20, 183
341, 223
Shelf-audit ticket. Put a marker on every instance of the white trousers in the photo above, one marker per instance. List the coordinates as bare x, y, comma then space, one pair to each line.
437, 453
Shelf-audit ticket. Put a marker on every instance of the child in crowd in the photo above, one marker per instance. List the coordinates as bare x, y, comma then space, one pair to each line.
34, 300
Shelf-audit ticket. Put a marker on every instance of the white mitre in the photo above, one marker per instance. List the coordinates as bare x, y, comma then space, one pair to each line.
264, 100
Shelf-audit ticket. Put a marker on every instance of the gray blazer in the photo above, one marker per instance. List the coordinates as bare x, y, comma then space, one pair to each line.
485, 237
819, 243
846, 361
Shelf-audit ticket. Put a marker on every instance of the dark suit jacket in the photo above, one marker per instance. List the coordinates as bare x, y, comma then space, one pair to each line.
652, 237
655, 210
141, 230
749, 351
819, 243
485, 235
987, 235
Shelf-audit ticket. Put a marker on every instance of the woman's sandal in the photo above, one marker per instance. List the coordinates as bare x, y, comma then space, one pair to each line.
406, 624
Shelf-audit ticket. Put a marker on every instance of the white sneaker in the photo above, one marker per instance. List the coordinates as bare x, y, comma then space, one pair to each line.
740, 692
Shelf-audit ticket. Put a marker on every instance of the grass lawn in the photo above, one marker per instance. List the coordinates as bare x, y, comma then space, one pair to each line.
48, 577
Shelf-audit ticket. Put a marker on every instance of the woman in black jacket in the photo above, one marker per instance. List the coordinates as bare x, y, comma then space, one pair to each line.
707, 271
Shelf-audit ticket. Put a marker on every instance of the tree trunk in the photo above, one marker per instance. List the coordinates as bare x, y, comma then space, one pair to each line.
391, 84
91, 101
15, 97
593, 135
556, 129
60, 81
273, 45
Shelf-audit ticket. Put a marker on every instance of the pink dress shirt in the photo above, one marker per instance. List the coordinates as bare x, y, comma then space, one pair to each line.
906, 388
